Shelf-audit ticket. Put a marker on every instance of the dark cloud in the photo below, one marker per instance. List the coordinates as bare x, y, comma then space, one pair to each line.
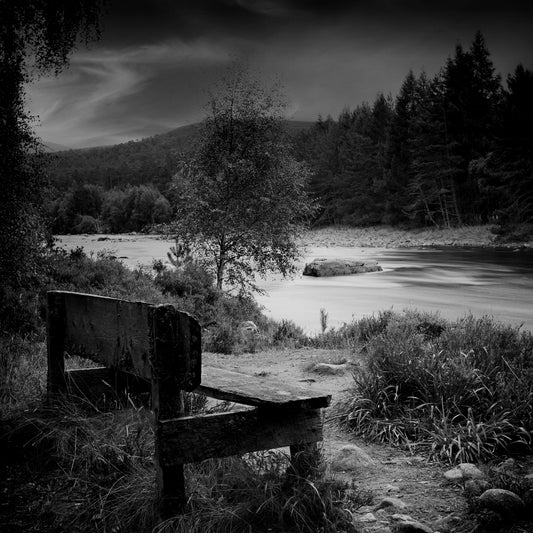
157, 58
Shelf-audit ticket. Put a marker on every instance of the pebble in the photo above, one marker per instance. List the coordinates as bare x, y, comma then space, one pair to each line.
368, 517
395, 503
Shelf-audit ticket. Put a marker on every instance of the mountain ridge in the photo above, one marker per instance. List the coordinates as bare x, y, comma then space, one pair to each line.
149, 160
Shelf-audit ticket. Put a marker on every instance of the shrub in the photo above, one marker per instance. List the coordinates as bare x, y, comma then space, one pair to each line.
19, 311
222, 338
86, 224
463, 389
287, 333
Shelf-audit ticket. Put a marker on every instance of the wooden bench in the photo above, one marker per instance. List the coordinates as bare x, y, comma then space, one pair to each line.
157, 349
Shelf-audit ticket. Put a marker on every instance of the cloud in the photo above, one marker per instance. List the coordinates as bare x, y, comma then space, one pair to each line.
88, 101
158, 58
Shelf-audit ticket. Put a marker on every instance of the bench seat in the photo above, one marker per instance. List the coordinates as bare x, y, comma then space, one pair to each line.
257, 391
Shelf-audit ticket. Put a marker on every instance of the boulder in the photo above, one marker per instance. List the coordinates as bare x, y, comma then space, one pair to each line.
504, 502
322, 267
350, 457
463, 472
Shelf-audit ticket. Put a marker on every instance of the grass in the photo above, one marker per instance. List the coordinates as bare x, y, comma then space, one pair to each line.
75, 467
103, 480
462, 390
22, 372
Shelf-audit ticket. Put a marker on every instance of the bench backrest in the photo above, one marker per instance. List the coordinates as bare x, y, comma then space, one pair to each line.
149, 341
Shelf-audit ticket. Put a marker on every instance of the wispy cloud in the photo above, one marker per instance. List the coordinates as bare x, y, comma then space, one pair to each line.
85, 103
158, 58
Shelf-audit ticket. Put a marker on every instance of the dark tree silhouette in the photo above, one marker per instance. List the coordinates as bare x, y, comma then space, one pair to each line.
36, 36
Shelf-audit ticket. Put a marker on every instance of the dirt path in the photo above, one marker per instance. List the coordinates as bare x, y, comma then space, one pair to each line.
386, 471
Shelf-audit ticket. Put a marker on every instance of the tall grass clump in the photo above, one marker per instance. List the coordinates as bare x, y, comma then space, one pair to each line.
254, 493
462, 389
97, 471
22, 373
352, 335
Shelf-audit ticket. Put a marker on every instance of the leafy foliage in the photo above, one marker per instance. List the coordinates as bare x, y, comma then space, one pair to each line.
89, 208
240, 197
35, 35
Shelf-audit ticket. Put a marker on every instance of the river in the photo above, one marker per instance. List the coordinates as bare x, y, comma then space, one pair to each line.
450, 281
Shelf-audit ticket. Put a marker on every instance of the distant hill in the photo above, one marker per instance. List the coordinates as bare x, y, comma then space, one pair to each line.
48, 146
150, 160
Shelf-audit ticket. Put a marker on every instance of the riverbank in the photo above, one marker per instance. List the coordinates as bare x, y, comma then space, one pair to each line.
391, 237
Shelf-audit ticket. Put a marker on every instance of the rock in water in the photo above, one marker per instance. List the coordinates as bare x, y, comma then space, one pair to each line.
339, 267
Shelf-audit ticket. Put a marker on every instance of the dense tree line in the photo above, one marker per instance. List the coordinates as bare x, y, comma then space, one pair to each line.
448, 150
151, 160
88, 208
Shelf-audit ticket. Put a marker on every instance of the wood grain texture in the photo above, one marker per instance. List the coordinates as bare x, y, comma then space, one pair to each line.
124, 335
257, 391
113, 332
177, 348
196, 438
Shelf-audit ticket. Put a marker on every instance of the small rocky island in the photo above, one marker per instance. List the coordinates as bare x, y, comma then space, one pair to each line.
321, 267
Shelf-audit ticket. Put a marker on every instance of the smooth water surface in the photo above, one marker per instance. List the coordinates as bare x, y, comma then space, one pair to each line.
451, 281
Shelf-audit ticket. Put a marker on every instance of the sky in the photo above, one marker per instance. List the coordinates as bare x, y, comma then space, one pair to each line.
157, 60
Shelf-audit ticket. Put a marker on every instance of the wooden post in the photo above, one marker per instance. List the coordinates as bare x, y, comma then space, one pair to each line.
175, 367
56, 383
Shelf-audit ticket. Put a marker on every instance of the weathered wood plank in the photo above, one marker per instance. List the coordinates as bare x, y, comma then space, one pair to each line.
55, 334
177, 348
257, 391
109, 331
123, 335
176, 367
190, 439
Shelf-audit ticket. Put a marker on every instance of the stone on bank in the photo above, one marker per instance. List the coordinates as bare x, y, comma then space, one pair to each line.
322, 267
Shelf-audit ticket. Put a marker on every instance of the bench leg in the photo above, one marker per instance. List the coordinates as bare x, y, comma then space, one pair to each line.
171, 491
56, 383
305, 459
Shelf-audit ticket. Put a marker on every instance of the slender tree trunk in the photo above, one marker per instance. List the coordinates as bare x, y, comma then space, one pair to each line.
221, 262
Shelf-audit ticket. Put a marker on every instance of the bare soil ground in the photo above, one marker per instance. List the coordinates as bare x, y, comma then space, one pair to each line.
386, 471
